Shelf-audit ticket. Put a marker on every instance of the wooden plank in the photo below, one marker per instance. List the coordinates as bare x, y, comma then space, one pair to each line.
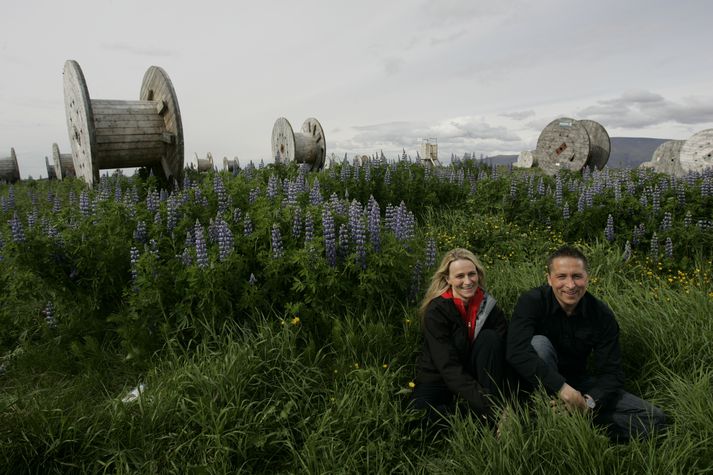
129, 138
130, 131
127, 124
146, 146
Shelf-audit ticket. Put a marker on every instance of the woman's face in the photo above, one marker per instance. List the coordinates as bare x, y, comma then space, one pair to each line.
463, 278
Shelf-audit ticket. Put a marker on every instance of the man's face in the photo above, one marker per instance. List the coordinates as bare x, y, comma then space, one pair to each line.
568, 279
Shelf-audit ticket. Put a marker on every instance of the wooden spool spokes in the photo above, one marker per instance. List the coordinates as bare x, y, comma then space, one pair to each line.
108, 134
307, 147
563, 144
51, 174
9, 170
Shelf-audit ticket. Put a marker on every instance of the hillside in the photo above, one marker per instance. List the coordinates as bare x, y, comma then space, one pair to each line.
626, 152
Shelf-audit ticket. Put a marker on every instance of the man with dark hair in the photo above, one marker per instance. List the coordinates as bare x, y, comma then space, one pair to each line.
553, 331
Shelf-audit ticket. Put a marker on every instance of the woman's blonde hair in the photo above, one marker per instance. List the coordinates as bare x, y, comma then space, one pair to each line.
439, 282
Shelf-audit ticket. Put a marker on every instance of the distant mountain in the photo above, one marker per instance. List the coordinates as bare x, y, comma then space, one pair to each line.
626, 152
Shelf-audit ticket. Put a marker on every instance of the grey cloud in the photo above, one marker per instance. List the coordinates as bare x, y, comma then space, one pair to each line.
139, 50
393, 65
643, 109
519, 115
455, 135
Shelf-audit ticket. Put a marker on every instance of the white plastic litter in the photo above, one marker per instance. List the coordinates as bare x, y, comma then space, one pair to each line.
134, 394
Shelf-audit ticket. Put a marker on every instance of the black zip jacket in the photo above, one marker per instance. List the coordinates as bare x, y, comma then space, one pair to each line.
446, 347
591, 330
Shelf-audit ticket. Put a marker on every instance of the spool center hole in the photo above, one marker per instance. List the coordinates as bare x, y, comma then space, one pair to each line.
282, 148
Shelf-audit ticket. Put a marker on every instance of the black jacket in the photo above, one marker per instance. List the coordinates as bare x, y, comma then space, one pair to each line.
591, 330
446, 346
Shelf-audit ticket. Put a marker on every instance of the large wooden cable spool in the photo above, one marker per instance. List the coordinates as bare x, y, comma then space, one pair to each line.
9, 169
666, 158
563, 145
599, 144
205, 164
110, 134
231, 165
308, 147
697, 152
63, 163
525, 159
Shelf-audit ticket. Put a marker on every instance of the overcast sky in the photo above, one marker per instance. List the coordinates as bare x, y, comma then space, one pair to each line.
480, 76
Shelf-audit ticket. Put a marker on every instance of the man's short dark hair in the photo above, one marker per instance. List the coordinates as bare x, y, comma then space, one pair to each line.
567, 251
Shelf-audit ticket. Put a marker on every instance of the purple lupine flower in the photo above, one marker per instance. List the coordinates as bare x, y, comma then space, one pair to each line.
390, 218
687, 219
359, 237
134, 256
84, 206
343, 242
157, 217
220, 193
541, 187
252, 280
276, 242
367, 171
171, 213
589, 197
345, 171
237, 215
247, 225
272, 187
627, 251
431, 252
18, 234
668, 248
50, 318
581, 203
374, 225
292, 190
262, 164
330, 245
643, 201
609, 229
11, 197
253, 195
655, 199
297, 223
355, 172
225, 239
513, 189
315, 196
654, 247
558, 190
162, 196
201, 248
666, 221
387, 176
354, 217
4, 204
31, 218
152, 200
681, 195
565, 211
117, 193
140, 234
309, 228
706, 187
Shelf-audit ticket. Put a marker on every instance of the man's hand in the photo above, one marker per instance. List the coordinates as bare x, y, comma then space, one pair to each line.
573, 399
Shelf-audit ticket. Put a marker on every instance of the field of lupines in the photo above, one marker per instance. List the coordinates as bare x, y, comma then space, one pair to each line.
268, 316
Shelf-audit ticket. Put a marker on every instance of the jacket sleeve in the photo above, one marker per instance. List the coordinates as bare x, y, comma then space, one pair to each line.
499, 322
607, 360
520, 353
437, 333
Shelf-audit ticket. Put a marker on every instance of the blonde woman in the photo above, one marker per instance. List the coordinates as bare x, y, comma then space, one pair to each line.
463, 340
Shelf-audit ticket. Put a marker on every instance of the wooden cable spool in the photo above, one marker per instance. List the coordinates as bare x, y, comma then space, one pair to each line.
697, 152
63, 163
110, 134
308, 147
204, 164
563, 145
666, 158
9, 170
231, 165
599, 144
526, 159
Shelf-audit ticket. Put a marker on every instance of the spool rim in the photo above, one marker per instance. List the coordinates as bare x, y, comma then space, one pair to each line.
157, 86
312, 127
80, 123
51, 174
15, 166
599, 143
57, 162
283, 141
